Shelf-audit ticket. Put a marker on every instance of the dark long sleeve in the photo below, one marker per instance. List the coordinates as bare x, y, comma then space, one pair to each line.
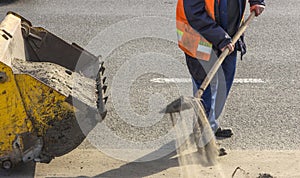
260, 2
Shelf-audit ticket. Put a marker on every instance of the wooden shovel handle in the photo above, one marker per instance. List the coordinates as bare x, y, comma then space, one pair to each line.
224, 54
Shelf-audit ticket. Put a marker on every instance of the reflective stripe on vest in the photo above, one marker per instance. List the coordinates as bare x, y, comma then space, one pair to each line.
192, 43
189, 40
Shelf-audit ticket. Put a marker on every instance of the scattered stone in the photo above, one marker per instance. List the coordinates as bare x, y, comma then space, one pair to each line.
265, 175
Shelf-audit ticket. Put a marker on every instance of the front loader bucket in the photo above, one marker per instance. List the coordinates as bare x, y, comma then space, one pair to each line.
51, 93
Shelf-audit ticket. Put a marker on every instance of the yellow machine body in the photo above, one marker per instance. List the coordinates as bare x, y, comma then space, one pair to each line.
37, 122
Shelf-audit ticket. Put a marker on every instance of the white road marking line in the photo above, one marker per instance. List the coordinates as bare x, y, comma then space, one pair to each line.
188, 80
171, 80
249, 80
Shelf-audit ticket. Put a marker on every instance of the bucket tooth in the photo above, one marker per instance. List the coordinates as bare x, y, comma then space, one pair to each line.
104, 80
102, 69
102, 63
104, 88
105, 99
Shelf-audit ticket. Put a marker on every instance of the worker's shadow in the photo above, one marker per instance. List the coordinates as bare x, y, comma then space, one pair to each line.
143, 169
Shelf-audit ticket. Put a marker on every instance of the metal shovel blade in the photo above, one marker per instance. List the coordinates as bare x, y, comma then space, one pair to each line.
180, 104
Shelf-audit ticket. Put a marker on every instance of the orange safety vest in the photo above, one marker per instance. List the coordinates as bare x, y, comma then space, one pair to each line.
189, 40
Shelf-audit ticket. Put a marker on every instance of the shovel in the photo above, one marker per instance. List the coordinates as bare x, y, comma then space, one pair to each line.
184, 103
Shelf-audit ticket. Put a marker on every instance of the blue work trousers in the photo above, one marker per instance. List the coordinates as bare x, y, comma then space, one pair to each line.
214, 97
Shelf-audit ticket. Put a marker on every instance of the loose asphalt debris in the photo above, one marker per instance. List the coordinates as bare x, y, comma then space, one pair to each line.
265, 175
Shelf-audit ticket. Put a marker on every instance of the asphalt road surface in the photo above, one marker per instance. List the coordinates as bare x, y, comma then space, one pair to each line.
146, 70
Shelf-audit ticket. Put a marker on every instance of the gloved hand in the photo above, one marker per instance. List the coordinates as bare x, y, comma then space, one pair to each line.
257, 8
230, 46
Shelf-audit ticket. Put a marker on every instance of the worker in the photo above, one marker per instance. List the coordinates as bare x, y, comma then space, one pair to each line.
205, 27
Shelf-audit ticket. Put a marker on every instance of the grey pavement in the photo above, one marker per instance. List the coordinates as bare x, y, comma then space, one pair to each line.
137, 37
